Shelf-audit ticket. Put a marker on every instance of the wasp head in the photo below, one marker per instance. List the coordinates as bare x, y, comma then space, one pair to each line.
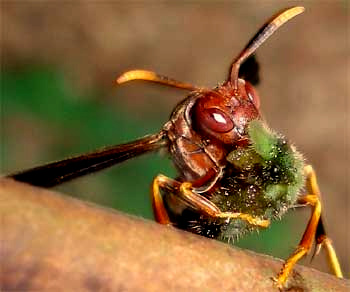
225, 112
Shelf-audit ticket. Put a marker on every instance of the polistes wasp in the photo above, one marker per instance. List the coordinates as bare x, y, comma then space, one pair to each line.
235, 175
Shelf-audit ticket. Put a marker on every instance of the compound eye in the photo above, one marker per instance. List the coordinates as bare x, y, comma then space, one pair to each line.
216, 120
252, 94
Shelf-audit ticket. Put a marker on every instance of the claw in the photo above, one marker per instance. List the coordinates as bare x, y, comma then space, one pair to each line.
278, 283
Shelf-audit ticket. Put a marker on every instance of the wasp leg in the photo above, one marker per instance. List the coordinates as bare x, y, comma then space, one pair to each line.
322, 240
159, 211
207, 208
306, 241
312, 199
163, 182
194, 200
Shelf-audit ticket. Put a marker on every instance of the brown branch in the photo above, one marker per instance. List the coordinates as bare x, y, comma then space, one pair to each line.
51, 242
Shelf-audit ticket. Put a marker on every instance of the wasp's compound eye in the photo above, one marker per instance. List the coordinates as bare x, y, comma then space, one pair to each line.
252, 94
216, 120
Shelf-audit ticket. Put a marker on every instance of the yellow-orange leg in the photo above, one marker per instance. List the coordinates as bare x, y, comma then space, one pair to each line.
312, 199
196, 201
159, 211
207, 208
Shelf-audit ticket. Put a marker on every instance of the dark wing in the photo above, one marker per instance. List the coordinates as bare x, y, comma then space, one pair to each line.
249, 70
55, 173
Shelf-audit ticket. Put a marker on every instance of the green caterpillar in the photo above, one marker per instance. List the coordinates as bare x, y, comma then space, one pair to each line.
263, 179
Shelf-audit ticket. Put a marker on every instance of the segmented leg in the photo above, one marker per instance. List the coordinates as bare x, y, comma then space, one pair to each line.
322, 240
159, 211
315, 224
194, 200
207, 208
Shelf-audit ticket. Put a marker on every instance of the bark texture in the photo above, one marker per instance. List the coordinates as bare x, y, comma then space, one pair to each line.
51, 242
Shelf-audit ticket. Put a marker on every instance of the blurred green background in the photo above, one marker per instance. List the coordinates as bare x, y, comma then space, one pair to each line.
57, 97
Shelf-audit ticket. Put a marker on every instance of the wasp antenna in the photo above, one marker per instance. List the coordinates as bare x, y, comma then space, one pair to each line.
261, 36
153, 77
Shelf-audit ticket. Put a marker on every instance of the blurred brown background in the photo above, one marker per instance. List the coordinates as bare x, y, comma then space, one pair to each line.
304, 90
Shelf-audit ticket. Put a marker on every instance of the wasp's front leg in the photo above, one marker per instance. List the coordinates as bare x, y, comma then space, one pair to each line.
194, 200
209, 209
313, 230
159, 211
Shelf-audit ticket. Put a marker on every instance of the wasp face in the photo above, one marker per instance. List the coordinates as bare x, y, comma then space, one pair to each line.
225, 112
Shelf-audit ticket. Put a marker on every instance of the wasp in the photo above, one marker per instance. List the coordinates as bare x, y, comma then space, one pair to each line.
235, 174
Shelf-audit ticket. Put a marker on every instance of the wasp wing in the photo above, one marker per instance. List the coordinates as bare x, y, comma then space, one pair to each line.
58, 172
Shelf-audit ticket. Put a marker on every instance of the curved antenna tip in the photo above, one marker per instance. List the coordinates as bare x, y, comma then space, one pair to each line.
262, 35
287, 14
298, 9
153, 77
135, 75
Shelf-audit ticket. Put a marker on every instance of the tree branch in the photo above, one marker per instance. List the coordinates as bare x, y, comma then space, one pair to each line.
52, 242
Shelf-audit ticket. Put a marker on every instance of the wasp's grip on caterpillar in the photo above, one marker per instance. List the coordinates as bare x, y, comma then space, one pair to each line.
235, 175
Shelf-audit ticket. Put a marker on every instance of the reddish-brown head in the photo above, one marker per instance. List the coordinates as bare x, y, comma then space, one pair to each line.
224, 112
